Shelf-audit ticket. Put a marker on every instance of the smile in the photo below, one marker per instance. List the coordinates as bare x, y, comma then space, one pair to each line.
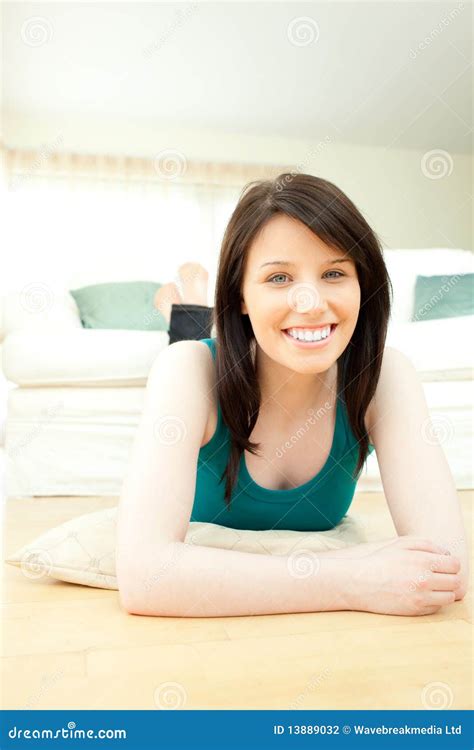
310, 338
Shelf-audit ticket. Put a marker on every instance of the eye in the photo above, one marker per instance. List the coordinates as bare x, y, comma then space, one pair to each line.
339, 272
278, 275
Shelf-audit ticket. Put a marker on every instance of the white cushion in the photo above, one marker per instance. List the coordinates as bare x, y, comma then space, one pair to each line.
82, 550
39, 306
438, 348
405, 265
81, 356
2, 319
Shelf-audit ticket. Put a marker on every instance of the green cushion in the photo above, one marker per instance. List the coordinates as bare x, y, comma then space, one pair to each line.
443, 296
123, 304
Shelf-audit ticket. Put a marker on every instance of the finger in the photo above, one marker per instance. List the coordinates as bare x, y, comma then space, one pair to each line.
445, 564
440, 598
444, 582
425, 545
428, 611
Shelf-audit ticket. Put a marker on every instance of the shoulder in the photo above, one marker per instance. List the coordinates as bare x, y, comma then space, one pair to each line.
186, 370
193, 354
396, 368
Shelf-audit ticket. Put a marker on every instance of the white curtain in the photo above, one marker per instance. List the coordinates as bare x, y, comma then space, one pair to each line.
73, 220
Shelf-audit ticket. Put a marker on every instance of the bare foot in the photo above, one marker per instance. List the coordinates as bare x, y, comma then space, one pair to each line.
193, 278
166, 296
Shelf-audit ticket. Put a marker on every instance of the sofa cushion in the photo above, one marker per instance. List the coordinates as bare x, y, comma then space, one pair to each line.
38, 306
437, 348
81, 356
123, 304
404, 266
443, 296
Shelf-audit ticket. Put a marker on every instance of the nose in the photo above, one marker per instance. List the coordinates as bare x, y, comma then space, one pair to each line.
307, 297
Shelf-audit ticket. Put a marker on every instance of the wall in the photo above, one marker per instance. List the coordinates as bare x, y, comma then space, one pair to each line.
405, 207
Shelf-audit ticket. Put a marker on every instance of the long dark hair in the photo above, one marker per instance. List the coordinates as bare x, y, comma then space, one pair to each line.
332, 216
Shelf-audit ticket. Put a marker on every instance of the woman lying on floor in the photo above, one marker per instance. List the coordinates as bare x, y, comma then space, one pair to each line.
268, 426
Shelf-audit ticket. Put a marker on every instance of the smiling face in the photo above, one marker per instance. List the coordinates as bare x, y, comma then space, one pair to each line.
306, 292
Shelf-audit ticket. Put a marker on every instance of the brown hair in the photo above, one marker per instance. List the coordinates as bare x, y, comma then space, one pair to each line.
332, 216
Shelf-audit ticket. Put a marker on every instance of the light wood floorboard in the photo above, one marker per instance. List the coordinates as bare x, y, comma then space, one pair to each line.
70, 646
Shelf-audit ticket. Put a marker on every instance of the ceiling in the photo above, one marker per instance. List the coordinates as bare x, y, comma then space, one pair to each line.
387, 73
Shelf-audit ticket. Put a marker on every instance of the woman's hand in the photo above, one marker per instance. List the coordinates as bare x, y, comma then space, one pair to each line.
408, 576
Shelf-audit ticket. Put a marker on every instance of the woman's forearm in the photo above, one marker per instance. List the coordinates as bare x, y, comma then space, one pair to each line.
357, 550
187, 580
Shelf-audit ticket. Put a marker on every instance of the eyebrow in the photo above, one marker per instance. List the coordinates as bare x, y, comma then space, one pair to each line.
289, 263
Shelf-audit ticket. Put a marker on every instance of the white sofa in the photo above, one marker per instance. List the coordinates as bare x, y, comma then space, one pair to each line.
77, 393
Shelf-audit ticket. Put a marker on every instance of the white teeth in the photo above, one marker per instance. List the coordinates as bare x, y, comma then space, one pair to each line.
303, 334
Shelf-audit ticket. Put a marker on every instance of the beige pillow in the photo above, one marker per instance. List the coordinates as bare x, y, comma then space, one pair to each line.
82, 550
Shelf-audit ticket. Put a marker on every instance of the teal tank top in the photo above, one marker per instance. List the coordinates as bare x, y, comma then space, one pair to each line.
318, 505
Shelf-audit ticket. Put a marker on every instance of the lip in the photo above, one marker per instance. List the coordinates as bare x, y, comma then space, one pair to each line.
311, 344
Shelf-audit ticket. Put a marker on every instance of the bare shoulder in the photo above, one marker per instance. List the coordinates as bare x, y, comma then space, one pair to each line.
194, 354
395, 365
188, 366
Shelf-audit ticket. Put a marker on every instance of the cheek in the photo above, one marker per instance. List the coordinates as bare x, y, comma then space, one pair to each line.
268, 306
349, 301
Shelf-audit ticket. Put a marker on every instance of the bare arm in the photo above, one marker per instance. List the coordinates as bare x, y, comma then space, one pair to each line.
416, 477
157, 572
187, 580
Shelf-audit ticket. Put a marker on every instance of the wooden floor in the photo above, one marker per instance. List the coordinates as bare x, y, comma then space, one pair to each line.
70, 646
